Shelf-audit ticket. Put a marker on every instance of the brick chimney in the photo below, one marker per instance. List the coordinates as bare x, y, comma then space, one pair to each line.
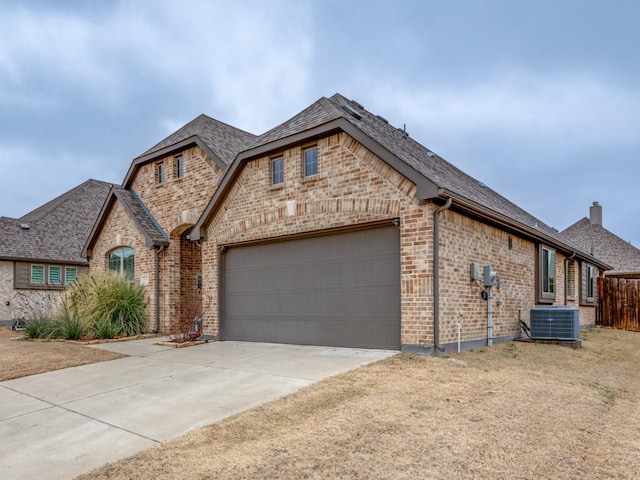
595, 214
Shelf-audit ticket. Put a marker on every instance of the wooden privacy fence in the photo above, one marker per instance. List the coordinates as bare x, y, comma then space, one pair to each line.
619, 304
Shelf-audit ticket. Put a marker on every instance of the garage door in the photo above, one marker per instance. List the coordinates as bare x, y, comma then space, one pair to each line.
339, 290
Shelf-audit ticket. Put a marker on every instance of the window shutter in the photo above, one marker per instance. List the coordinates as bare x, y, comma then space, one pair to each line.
37, 274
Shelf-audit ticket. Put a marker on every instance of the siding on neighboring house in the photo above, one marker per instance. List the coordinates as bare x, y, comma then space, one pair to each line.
6, 288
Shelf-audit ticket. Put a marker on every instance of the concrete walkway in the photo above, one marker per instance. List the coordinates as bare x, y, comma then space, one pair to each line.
63, 423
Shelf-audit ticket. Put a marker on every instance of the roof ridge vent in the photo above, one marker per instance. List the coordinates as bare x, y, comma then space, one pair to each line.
351, 111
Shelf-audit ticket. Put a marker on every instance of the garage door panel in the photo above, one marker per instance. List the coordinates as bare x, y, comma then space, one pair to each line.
341, 290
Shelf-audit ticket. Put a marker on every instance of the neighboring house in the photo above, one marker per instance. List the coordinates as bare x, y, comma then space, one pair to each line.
592, 237
41, 252
333, 228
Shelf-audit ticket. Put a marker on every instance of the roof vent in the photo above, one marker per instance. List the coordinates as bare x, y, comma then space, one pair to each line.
356, 104
430, 154
351, 111
25, 226
380, 117
482, 185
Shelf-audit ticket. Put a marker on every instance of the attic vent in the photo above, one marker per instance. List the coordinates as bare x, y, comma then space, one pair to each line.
382, 118
482, 185
351, 112
356, 104
430, 154
25, 226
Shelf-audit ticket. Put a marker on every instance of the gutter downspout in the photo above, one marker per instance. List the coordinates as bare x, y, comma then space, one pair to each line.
157, 287
436, 274
566, 276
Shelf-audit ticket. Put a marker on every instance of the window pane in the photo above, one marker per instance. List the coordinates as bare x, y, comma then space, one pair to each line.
310, 162
128, 263
178, 167
70, 274
54, 275
122, 260
159, 172
37, 274
590, 282
115, 260
277, 171
548, 270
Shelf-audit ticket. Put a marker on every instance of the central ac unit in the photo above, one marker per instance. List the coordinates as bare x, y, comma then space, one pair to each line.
555, 323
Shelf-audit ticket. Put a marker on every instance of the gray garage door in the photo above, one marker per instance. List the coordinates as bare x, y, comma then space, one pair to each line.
339, 290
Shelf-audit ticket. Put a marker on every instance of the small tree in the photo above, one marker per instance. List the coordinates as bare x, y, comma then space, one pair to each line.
189, 312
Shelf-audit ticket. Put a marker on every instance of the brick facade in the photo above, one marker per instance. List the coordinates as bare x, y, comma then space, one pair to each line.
176, 205
353, 187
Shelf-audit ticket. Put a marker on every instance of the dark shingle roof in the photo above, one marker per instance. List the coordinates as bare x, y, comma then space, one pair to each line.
56, 231
223, 140
604, 245
152, 231
421, 159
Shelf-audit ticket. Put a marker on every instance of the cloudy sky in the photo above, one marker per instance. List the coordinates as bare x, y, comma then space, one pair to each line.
540, 99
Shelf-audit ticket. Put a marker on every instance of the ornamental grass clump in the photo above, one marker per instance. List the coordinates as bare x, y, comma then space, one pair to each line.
105, 305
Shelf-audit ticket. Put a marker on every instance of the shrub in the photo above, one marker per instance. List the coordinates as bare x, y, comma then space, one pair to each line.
69, 326
120, 302
105, 305
186, 310
106, 329
40, 326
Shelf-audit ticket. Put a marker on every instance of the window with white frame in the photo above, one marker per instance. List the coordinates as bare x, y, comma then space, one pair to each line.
70, 274
55, 275
37, 274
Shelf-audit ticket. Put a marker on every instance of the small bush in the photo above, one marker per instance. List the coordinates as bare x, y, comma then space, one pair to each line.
69, 327
40, 326
120, 302
106, 305
106, 329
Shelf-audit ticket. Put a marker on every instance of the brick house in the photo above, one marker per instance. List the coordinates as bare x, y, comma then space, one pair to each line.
41, 252
142, 229
334, 228
592, 237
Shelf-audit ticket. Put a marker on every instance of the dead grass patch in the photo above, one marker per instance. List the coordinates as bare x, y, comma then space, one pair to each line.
517, 410
26, 357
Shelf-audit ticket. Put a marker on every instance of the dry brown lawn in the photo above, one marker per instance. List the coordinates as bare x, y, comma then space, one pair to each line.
19, 358
516, 411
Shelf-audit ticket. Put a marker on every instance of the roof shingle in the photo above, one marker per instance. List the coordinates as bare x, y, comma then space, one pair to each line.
56, 231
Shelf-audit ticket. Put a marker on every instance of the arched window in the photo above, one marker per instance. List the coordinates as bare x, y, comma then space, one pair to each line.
123, 260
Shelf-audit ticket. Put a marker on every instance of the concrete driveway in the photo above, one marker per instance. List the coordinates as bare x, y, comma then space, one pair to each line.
63, 423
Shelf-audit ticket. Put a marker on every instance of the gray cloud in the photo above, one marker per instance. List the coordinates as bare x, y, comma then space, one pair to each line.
539, 100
